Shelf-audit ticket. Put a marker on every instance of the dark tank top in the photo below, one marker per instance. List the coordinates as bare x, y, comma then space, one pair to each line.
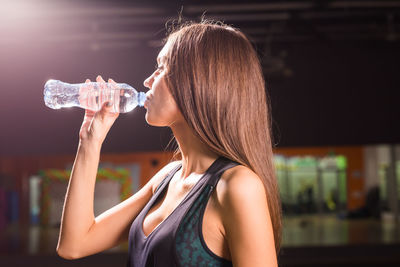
178, 240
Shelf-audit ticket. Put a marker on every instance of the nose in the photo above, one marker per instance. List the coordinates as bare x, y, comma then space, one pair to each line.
149, 81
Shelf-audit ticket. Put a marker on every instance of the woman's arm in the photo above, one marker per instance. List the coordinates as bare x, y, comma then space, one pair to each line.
246, 219
81, 234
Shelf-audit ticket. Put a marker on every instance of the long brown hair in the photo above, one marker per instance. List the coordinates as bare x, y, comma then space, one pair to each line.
215, 77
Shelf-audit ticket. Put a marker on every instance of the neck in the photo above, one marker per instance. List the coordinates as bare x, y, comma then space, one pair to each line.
196, 156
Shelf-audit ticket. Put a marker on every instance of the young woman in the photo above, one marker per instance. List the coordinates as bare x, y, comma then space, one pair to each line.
217, 206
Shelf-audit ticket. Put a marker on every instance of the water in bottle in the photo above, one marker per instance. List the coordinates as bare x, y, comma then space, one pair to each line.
92, 95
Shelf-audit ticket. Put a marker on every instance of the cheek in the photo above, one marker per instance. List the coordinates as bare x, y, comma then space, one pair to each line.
163, 110
165, 114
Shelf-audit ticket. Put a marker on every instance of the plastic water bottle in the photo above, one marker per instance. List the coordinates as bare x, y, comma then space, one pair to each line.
92, 95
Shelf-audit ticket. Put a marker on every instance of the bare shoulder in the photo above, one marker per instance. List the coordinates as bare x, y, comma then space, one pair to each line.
240, 183
245, 218
161, 174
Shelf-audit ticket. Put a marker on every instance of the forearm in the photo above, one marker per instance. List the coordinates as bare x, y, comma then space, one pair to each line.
78, 213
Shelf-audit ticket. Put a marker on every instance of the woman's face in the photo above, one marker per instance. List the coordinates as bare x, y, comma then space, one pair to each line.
161, 106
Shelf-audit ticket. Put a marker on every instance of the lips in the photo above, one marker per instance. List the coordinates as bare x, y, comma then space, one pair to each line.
149, 96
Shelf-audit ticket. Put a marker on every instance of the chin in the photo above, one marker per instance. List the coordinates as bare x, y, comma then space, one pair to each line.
151, 121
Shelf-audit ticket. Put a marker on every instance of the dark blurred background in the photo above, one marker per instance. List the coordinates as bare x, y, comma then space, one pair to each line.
332, 74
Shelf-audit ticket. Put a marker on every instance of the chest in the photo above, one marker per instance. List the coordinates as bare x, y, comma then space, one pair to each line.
211, 222
169, 230
167, 203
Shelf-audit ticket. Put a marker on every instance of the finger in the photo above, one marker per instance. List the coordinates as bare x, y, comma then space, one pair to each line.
89, 113
101, 91
112, 84
110, 108
110, 95
83, 91
115, 94
99, 79
87, 85
107, 107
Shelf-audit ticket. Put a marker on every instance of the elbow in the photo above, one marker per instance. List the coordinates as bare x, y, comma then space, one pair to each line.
68, 254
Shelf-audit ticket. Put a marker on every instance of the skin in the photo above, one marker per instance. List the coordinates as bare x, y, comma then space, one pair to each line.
236, 223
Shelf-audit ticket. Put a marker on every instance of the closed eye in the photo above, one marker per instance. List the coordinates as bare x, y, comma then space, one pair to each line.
159, 68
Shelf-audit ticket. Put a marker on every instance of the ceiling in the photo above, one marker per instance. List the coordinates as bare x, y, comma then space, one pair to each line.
98, 24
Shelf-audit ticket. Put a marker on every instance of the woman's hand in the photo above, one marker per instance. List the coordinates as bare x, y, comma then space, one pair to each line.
96, 125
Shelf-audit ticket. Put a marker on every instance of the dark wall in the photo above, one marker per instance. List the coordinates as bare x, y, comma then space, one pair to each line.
29, 127
337, 93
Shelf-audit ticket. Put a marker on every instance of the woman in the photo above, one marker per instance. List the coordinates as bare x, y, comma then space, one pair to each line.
219, 205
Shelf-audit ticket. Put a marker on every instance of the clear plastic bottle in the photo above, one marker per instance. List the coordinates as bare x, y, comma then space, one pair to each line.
92, 95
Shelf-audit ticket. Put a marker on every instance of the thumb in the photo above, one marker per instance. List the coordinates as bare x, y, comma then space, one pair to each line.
107, 109
107, 106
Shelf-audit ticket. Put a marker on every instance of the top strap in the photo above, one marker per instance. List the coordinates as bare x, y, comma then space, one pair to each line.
168, 177
218, 168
